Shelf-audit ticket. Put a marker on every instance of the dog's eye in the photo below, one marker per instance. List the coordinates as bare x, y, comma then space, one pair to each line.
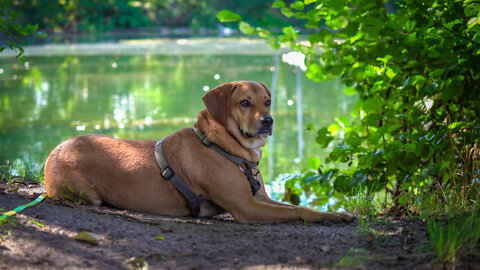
268, 102
245, 103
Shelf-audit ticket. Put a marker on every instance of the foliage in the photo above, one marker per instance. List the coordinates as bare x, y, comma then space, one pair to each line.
414, 66
14, 33
454, 238
78, 16
21, 171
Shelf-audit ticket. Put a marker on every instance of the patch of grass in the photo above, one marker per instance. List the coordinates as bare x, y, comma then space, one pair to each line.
363, 204
445, 201
4, 225
21, 171
366, 225
76, 197
455, 237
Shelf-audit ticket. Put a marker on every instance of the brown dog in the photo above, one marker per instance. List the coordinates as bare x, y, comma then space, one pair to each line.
125, 173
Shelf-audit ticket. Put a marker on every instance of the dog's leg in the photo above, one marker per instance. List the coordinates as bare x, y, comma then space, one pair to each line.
305, 213
262, 196
253, 211
63, 178
73, 188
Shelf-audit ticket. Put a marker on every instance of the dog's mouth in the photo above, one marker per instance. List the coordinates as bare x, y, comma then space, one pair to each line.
263, 132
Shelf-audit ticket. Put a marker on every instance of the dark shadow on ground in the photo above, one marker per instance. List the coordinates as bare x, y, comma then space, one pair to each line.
197, 243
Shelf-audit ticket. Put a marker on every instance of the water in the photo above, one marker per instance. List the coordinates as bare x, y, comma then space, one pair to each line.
138, 92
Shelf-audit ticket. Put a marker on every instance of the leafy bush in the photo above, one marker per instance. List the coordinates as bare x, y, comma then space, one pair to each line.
12, 32
415, 68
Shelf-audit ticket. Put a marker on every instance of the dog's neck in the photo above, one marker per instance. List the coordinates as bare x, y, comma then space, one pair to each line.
219, 135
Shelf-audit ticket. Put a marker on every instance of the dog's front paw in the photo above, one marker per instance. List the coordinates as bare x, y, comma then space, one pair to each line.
343, 217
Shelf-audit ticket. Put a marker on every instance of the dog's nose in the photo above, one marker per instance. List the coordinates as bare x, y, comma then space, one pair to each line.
267, 121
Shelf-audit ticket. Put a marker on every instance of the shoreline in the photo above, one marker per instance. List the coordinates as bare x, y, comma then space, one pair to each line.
155, 46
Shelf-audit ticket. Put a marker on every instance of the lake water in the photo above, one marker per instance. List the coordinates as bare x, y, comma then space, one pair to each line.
149, 89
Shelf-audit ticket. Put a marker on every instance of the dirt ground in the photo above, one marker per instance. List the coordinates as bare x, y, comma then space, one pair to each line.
42, 237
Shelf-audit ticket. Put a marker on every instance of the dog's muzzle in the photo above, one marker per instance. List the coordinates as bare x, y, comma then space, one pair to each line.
267, 122
266, 127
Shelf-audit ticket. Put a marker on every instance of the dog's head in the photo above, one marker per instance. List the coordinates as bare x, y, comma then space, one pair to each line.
243, 107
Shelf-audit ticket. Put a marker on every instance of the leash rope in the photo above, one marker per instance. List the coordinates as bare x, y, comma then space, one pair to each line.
21, 207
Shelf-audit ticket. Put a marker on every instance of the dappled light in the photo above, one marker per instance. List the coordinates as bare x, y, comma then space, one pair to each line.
363, 112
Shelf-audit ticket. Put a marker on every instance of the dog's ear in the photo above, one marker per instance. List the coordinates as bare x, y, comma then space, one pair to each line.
217, 101
266, 88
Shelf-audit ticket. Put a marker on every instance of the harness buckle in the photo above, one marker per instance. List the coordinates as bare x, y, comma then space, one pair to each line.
168, 172
241, 169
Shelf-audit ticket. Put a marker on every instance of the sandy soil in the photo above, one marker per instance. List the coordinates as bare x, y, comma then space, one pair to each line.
42, 237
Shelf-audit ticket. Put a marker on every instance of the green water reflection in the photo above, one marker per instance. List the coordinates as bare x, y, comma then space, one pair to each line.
54, 98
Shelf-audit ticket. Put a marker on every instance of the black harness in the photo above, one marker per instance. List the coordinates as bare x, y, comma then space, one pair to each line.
195, 200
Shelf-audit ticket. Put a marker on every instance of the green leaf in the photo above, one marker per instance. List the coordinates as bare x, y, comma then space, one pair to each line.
349, 91
263, 33
456, 125
365, 161
419, 79
308, 2
390, 73
289, 31
278, 4
342, 184
371, 105
37, 223
225, 15
314, 163
273, 42
352, 139
323, 137
312, 24
246, 28
298, 5
87, 237
334, 128
337, 23
436, 73
335, 5
403, 199
160, 237
287, 12
339, 154
343, 121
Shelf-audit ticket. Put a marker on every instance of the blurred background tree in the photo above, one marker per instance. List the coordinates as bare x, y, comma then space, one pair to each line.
12, 33
81, 16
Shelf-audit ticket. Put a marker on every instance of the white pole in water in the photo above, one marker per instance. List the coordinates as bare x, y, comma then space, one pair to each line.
297, 59
301, 143
273, 90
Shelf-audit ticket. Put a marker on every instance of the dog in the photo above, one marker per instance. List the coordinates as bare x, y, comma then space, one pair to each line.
126, 173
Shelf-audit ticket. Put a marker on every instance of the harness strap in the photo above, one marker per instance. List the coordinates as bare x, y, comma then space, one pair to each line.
194, 200
249, 165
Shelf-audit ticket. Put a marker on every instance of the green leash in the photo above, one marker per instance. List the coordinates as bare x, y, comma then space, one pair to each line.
21, 207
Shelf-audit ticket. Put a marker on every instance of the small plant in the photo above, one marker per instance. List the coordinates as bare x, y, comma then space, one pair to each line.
72, 195
455, 237
365, 203
21, 171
